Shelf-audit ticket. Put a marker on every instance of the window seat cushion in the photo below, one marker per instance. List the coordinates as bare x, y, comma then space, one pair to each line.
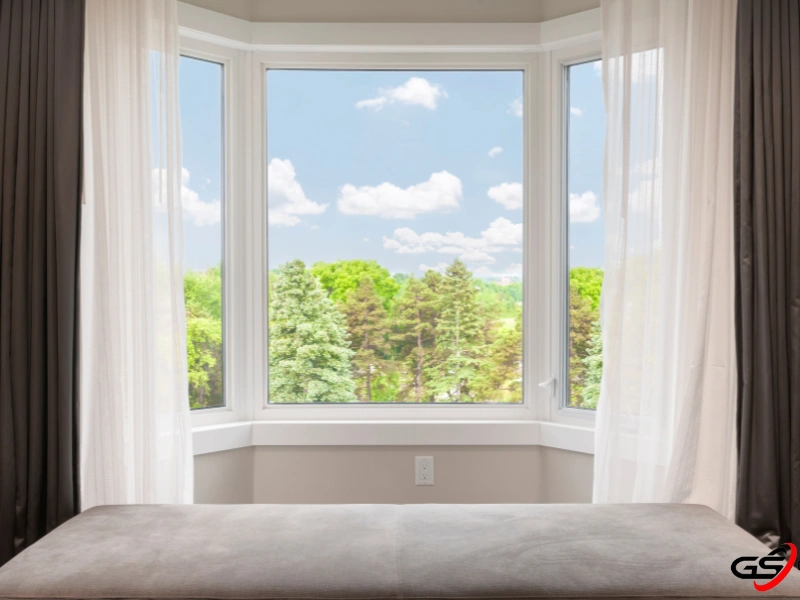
333, 552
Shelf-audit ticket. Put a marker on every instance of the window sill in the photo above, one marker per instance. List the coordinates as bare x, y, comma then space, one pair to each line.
230, 436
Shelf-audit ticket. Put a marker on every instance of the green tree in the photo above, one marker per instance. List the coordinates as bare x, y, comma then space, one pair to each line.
414, 326
343, 276
203, 301
588, 282
367, 323
581, 319
309, 349
459, 336
501, 374
593, 362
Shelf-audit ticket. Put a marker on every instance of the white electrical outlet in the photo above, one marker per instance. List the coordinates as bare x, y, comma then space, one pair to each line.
423, 470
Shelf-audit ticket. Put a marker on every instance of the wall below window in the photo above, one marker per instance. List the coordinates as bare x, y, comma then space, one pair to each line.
385, 474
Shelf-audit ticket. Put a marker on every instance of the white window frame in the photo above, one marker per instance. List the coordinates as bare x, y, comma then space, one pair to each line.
541, 53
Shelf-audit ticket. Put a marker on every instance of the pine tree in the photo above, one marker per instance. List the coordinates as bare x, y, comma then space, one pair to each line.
367, 323
459, 336
309, 350
415, 314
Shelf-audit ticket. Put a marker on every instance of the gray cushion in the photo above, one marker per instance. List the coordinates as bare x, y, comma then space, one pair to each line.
386, 551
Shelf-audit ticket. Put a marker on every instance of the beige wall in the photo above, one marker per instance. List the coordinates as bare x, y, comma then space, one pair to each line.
224, 477
397, 11
359, 474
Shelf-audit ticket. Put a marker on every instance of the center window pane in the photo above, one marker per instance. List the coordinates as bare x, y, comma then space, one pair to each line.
395, 236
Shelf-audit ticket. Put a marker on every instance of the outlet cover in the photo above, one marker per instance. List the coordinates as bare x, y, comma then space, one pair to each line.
423, 470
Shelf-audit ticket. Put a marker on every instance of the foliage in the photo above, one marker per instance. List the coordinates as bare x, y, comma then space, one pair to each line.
368, 327
203, 300
585, 351
349, 331
343, 276
309, 348
588, 282
593, 362
459, 337
414, 326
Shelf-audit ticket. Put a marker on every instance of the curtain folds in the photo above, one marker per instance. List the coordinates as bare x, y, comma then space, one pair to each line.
135, 422
767, 196
41, 64
665, 429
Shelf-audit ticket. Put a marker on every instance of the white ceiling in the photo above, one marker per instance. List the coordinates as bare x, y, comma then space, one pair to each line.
397, 11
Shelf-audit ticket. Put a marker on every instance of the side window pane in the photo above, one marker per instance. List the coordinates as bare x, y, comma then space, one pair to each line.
201, 100
585, 235
395, 236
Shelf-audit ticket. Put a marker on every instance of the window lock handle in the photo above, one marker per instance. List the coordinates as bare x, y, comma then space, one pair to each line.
550, 386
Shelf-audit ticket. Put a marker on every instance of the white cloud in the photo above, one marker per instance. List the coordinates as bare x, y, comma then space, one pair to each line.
511, 270
495, 151
366, 239
583, 208
515, 107
507, 194
439, 268
440, 193
574, 110
287, 201
201, 213
501, 236
417, 91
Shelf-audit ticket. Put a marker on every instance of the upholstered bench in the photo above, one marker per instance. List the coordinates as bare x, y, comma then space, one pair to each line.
386, 551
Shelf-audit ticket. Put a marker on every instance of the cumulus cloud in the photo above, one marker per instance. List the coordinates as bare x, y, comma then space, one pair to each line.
417, 91
199, 212
515, 107
440, 193
507, 194
439, 268
495, 151
287, 201
510, 270
501, 236
583, 208
575, 111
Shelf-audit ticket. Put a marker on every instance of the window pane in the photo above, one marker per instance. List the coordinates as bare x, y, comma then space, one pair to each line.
201, 98
395, 236
586, 132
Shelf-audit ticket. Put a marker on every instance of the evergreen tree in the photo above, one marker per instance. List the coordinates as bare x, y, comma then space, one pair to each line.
593, 361
414, 327
459, 336
367, 324
309, 350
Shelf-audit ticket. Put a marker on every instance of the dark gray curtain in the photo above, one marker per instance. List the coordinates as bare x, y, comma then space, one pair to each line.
41, 68
767, 217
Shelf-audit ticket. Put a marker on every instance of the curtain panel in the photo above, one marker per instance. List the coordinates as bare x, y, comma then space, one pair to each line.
41, 64
665, 428
767, 197
136, 444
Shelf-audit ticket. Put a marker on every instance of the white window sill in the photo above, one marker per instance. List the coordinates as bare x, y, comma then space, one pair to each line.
230, 436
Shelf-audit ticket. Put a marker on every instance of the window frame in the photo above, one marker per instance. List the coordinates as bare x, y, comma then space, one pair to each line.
236, 44
559, 410
528, 65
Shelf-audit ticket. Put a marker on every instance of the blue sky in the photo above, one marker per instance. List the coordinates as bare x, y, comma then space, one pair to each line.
410, 168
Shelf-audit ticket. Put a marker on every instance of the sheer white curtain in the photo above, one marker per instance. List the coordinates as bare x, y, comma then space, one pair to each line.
135, 427
666, 415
